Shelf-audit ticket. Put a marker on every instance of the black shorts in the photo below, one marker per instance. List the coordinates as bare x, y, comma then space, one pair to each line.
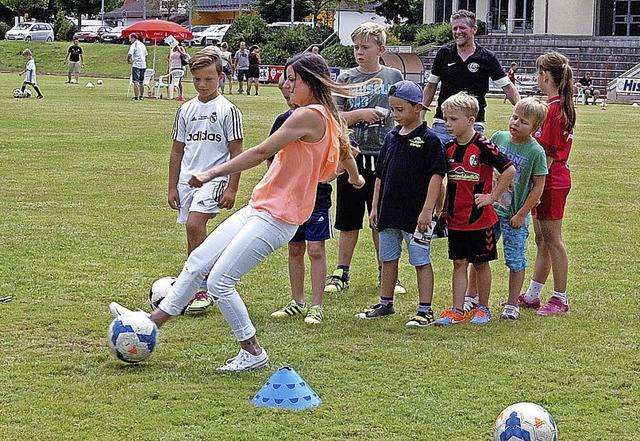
242, 75
351, 202
227, 70
476, 246
254, 72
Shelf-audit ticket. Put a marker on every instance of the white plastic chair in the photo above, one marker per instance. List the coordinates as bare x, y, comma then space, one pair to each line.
146, 81
163, 82
176, 75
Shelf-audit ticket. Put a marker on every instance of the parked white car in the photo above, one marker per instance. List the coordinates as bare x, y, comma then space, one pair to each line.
213, 34
31, 31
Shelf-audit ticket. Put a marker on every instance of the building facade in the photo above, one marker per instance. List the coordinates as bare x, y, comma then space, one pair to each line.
559, 17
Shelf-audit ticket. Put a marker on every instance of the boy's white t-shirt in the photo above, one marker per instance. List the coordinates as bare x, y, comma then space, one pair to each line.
206, 130
30, 75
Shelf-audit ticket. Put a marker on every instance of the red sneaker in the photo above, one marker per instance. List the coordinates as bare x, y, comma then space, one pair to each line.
554, 306
524, 303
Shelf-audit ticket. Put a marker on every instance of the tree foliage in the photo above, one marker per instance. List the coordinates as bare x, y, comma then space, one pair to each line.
250, 29
279, 10
401, 11
290, 41
21, 7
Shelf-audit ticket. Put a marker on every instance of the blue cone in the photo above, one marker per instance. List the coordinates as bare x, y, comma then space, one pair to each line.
287, 390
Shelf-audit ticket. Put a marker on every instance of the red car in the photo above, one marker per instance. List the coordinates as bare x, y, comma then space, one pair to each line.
91, 34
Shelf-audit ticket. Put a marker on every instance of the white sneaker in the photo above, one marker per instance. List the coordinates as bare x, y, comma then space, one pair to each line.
470, 303
117, 309
510, 312
245, 361
399, 289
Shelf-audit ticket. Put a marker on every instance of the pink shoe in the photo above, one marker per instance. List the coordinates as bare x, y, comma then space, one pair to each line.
524, 303
554, 306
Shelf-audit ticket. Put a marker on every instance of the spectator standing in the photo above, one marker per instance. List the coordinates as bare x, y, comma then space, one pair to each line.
254, 69
227, 67
137, 56
241, 65
74, 60
178, 59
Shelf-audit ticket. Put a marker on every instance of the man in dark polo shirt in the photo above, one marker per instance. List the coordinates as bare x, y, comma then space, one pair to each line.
465, 66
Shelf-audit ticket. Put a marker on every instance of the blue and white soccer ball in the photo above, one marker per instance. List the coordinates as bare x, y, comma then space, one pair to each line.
26, 94
159, 290
132, 337
17, 93
525, 422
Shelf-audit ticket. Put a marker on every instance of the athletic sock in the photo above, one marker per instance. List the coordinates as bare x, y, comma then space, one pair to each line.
560, 295
301, 304
534, 290
386, 301
424, 307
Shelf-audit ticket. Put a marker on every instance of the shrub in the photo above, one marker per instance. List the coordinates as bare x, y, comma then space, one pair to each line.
250, 29
434, 33
291, 41
63, 28
405, 32
339, 56
4, 27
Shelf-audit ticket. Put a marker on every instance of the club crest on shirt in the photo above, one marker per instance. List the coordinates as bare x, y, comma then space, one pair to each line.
473, 67
416, 142
473, 160
214, 117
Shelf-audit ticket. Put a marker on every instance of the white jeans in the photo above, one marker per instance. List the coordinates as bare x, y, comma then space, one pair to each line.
233, 249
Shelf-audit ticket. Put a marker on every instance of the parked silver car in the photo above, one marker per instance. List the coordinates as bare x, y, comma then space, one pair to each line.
31, 31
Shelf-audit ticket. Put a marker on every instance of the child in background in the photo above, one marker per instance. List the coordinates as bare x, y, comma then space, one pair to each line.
29, 73
207, 132
514, 205
555, 78
309, 237
409, 174
367, 116
468, 207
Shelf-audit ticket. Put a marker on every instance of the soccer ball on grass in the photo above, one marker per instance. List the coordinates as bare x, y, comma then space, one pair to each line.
100, 82
26, 94
159, 290
525, 422
17, 93
132, 337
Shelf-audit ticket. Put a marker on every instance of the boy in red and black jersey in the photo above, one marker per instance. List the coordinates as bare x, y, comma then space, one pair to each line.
471, 161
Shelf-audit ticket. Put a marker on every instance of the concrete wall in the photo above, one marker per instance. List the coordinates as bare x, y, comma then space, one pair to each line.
566, 17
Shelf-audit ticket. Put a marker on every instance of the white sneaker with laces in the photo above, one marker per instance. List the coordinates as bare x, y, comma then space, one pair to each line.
245, 361
470, 303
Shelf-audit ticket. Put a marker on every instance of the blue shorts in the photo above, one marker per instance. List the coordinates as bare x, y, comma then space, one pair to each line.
391, 247
318, 227
514, 241
137, 75
242, 74
443, 135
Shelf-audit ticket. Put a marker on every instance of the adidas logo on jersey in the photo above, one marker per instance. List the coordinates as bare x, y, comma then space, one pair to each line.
203, 135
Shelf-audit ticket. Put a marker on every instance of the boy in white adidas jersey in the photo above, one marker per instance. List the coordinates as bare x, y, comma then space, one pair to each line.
207, 131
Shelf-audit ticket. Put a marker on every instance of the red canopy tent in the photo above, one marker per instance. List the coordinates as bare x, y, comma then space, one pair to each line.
157, 30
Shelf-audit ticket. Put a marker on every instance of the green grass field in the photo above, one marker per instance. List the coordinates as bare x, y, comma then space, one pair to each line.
85, 222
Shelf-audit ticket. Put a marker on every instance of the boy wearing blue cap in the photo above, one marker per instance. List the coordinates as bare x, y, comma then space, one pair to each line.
409, 173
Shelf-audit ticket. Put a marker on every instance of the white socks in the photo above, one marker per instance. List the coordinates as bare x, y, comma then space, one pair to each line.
534, 290
560, 295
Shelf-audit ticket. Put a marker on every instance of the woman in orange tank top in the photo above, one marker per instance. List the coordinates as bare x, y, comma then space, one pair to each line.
308, 148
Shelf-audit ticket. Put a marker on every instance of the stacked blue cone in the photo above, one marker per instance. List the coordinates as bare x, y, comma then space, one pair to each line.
287, 390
